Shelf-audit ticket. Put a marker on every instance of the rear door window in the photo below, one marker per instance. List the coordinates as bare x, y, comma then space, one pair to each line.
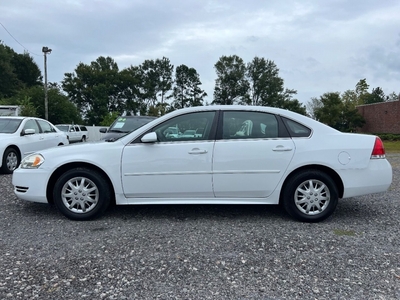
46, 127
249, 125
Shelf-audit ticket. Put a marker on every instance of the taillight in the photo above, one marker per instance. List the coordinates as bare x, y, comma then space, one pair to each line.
379, 150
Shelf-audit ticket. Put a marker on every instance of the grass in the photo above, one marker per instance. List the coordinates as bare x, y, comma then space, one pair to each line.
392, 146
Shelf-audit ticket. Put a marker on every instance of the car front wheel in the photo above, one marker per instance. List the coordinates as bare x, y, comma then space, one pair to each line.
81, 194
310, 196
11, 161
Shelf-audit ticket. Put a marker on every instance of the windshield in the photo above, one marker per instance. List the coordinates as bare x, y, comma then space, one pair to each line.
63, 127
128, 124
9, 125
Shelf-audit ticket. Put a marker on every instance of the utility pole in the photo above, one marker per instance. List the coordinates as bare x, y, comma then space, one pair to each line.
45, 51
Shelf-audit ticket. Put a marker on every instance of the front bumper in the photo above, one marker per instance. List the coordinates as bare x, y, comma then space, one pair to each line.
31, 184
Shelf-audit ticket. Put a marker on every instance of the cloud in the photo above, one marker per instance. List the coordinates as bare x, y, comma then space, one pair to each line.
318, 46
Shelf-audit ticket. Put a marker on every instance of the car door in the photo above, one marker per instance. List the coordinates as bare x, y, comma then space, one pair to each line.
250, 158
51, 137
176, 166
29, 143
73, 136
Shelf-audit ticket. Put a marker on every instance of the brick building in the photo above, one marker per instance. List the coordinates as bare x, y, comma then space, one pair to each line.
381, 117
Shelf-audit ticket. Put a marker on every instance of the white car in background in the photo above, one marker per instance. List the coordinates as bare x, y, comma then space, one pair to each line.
21, 136
75, 133
240, 155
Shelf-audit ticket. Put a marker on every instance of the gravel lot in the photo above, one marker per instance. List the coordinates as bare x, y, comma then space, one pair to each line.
202, 252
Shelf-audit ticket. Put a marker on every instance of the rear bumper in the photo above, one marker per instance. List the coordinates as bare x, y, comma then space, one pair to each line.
376, 178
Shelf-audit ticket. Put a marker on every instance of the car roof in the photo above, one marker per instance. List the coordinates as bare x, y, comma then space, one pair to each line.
68, 125
137, 117
14, 117
274, 110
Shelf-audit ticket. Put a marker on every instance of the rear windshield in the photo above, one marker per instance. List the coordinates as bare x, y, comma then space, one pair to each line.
9, 125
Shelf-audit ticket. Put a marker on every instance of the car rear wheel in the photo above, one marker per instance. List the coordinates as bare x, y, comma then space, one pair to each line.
83, 139
81, 194
11, 161
310, 196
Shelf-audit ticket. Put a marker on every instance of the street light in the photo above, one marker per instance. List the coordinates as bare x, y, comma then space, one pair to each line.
45, 51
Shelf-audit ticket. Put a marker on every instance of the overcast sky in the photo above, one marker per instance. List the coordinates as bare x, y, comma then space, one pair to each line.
318, 46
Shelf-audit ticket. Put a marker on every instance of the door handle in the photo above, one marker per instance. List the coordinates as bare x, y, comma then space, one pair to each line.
282, 148
197, 151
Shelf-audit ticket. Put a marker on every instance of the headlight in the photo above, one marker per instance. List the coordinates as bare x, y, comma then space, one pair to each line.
33, 161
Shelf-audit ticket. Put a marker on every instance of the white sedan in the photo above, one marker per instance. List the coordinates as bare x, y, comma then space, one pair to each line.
20, 136
245, 155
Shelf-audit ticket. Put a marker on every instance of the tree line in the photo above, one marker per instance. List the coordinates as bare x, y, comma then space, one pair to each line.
98, 92
339, 110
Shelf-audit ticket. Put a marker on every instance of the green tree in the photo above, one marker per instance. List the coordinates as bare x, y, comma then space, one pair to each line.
294, 105
157, 110
156, 84
331, 110
351, 118
312, 106
109, 118
149, 84
266, 87
60, 109
337, 113
231, 85
27, 107
131, 82
376, 96
9, 83
186, 92
164, 70
258, 83
27, 70
17, 71
362, 87
393, 97
350, 97
95, 89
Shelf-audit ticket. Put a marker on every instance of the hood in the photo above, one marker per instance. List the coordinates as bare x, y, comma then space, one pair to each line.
112, 135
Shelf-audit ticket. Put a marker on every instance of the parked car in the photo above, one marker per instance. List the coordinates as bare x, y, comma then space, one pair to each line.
75, 133
284, 158
21, 136
123, 125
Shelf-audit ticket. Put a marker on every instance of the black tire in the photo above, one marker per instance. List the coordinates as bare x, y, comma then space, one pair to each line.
310, 196
87, 205
83, 139
11, 161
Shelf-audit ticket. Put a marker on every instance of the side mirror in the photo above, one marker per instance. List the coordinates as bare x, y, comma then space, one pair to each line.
103, 130
150, 137
27, 132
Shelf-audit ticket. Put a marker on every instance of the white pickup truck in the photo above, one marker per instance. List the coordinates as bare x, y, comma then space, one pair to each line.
75, 133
